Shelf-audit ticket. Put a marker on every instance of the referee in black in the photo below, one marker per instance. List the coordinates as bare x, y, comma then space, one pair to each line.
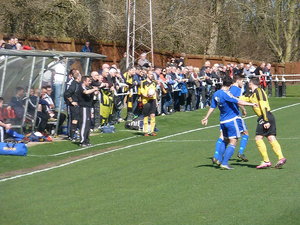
85, 95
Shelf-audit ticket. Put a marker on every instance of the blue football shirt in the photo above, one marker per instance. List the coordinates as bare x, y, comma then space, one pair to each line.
226, 103
235, 91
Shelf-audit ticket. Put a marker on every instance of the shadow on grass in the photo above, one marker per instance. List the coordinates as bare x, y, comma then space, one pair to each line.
208, 165
244, 165
234, 163
139, 133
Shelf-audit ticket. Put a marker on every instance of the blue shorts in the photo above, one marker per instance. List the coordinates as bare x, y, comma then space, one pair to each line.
242, 125
234, 128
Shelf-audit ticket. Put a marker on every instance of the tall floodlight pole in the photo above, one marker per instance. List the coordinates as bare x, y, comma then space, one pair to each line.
139, 30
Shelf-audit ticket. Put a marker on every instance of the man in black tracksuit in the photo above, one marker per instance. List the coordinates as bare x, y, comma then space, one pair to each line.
85, 94
72, 105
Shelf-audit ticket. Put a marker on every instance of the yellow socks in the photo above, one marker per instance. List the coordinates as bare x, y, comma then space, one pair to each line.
152, 124
263, 150
277, 149
145, 127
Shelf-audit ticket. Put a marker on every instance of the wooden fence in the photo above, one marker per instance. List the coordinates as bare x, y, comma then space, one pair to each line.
114, 52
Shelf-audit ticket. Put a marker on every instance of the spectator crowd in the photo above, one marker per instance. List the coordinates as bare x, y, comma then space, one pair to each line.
103, 97
14, 44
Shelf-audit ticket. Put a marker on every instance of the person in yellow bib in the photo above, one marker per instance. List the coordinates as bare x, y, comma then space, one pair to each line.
266, 125
148, 95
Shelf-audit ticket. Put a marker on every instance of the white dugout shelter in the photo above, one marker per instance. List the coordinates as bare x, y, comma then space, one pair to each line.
22, 68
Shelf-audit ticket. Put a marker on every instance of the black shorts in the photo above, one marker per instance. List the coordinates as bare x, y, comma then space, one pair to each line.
149, 107
260, 130
74, 110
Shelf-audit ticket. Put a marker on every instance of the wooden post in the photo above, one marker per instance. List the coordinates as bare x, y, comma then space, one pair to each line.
162, 60
73, 46
101, 49
42, 42
115, 52
203, 61
56, 44
223, 60
276, 68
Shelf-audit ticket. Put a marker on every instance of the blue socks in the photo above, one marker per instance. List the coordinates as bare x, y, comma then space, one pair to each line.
228, 153
220, 149
223, 154
243, 143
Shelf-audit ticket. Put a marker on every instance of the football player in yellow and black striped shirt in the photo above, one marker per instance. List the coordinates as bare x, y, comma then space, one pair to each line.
266, 126
148, 95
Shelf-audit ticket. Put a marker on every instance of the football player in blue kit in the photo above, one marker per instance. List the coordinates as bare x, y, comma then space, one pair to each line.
230, 122
236, 91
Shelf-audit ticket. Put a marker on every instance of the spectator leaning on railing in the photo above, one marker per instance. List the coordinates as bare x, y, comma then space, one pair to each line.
268, 78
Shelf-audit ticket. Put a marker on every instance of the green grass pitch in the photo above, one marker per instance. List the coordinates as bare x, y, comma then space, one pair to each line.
168, 180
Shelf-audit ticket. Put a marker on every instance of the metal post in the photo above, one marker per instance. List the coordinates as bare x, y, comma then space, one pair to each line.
276, 87
139, 29
213, 87
130, 48
28, 90
128, 12
61, 97
151, 33
270, 89
3, 75
40, 87
203, 94
133, 34
87, 62
283, 87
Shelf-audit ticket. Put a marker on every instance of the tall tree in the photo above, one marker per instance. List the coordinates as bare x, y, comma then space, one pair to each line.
258, 29
279, 21
216, 10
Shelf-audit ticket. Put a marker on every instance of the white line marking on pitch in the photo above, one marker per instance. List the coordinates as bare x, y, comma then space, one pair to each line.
125, 147
183, 141
106, 143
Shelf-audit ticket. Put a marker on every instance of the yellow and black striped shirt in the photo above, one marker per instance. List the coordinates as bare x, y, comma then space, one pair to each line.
144, 88
260, 98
